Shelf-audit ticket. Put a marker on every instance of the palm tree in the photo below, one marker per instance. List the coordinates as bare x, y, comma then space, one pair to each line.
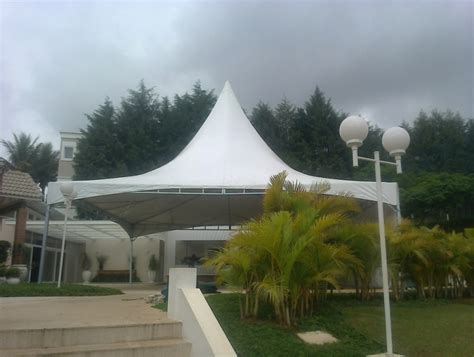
288, 257
363, 240
45, 168
37, 159
22, 151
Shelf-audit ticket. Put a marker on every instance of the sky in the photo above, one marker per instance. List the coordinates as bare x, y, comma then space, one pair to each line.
385, 60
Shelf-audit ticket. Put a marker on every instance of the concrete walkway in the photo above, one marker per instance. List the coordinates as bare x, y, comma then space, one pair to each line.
63, 312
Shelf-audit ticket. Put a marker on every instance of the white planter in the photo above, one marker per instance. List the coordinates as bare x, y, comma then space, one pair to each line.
86, 276
13, 281
23, 271
3, 280
151, 276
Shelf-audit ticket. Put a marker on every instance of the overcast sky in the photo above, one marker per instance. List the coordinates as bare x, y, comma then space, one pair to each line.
384, 60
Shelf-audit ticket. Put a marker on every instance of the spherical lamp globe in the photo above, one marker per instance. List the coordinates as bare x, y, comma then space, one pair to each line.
67, 189
354, 130
395, 141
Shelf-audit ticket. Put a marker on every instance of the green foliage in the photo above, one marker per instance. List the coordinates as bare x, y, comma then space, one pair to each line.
4, 250
440, 143
101, 259
265, 338
3, 270
439, 264
153, 263
287, 258
439, 198
13, 273
37, 159
25, 289
85, 261
264, 121
143, 133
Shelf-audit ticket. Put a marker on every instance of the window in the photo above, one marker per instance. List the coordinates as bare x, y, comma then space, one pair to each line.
68, 152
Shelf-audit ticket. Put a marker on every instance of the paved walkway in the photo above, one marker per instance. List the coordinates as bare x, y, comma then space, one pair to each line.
50, 312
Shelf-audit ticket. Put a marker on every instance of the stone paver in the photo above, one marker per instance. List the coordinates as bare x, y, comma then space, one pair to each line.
317, 337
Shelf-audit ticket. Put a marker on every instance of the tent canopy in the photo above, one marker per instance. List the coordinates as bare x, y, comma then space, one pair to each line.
218, 179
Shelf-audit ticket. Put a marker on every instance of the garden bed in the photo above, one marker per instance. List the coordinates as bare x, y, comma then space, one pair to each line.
421, 328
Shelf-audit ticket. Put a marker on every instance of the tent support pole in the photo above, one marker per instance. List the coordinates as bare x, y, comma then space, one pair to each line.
131, 262
43, 244
399, 212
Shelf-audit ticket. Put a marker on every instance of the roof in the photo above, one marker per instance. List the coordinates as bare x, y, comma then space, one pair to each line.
16, 187
218, 178
17, 184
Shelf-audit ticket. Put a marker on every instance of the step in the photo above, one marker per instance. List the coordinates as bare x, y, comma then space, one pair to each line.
72, 336
174, 347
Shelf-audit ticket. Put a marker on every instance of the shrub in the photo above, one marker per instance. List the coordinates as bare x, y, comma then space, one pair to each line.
101, 259
85, 261
3, 270
153, 263
13, 273
4, 250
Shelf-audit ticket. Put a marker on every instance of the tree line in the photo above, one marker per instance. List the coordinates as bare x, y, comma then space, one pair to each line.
146, 131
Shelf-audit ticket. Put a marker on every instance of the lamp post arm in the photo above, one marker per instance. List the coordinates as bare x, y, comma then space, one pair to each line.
380, 161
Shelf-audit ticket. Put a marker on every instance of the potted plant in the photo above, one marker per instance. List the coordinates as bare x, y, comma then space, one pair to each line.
152, 268
13, 276
86, 266
3, 273
4, 250
101, 259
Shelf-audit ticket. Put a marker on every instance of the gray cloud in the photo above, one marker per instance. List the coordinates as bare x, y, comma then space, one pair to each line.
386, 60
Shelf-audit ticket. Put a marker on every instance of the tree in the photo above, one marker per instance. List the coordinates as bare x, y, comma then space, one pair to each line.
45, 167
285, 115
22, 151
181, 120
99, 149
138, 130
438, 198
439, 143
264, 121
37, 159
288, 257
316, 146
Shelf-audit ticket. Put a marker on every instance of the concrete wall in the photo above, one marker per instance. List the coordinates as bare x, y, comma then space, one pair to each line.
118, 252
65, 170
171, 238
200, 326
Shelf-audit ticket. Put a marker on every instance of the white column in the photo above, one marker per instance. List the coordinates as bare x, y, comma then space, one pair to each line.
180, 278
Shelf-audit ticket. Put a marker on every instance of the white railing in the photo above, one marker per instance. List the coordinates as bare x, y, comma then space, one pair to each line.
200, 326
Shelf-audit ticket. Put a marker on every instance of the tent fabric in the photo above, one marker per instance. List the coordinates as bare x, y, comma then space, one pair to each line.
219, 178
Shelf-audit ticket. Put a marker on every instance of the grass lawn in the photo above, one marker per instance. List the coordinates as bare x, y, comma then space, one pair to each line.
420, 328
266, 338
8, 290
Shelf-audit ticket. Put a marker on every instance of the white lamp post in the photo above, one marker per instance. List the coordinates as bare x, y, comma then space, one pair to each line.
67, 189
353, 131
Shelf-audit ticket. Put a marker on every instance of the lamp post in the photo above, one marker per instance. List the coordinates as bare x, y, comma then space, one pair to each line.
67, 189
353, 131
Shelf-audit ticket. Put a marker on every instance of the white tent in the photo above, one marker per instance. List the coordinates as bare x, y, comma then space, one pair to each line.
218, 179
